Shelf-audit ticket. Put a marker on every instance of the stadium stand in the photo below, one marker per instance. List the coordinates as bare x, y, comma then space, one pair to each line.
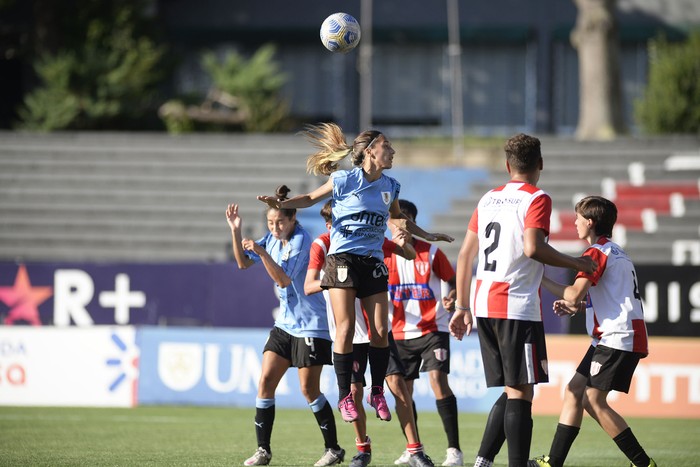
158, 198
655, 184
136, 197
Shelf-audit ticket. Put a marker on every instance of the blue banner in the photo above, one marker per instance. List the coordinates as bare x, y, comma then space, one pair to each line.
222, 367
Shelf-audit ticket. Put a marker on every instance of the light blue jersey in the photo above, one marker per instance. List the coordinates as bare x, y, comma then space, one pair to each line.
360, 212
300, 315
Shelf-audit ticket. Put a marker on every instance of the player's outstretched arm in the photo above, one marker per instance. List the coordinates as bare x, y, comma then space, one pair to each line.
574, 293
300, 201
235, 223
398, 219
537, 248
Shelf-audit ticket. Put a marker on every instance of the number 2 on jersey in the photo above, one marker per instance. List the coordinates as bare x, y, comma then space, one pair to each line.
495, 228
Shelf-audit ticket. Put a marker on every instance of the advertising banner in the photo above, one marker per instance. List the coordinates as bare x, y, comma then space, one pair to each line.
42, 366
221, 295
222, 367
87, 294
122, 366
665, 384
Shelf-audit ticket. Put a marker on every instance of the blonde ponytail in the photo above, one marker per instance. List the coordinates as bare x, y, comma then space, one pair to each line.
329, 139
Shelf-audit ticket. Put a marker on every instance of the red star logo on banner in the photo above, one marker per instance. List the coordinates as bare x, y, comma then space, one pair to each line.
23, 299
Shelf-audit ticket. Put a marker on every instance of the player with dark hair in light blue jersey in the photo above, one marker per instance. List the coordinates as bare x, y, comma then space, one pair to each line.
300, 337
364, 200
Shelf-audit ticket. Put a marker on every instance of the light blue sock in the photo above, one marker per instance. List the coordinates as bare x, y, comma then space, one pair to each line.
318, 404
264, 403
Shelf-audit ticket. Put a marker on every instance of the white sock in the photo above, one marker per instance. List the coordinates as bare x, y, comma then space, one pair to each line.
481, 462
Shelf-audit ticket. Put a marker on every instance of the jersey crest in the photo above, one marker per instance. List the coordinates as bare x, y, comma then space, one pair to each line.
386, 197
422, 267
440, 354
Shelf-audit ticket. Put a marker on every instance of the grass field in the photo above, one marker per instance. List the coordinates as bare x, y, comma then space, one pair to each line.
207, 436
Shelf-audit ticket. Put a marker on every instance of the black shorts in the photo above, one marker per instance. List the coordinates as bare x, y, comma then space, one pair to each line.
425, 353
301, 352
513, 351
366, 274
360, 353
608, 369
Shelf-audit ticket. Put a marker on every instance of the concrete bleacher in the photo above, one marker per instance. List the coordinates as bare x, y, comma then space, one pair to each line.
655, 184
137, 197
158, 198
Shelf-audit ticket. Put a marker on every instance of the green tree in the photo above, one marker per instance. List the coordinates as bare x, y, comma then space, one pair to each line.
671, 101
104, 75
256, 81
244, 94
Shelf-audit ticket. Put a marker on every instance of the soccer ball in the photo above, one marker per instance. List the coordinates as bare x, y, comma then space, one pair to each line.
340, 32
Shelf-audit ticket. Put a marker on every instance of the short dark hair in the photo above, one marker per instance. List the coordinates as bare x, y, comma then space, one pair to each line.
523, 153
601, 211
409, 207
327, 211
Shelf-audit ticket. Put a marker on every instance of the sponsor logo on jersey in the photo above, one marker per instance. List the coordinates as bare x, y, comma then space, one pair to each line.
411, 292
370, 218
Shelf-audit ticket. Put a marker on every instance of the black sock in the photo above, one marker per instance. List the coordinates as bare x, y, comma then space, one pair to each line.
494, 436
342, 363
518, 429
264, 419
628, 444
326, 422
378, 363
563, 439
447, 409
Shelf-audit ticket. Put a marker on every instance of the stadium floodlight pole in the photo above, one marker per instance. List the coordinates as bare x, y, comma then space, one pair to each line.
454, 51
365, 65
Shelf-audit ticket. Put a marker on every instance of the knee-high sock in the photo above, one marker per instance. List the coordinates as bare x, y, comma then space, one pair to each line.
342, 363
494, 434
447, 409
563, 439
326, 422
264, 419
518, 429
378, 363
628, 444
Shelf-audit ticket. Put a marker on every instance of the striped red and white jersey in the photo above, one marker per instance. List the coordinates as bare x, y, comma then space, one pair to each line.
614, 312
507, 281
317, 258
416, 289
